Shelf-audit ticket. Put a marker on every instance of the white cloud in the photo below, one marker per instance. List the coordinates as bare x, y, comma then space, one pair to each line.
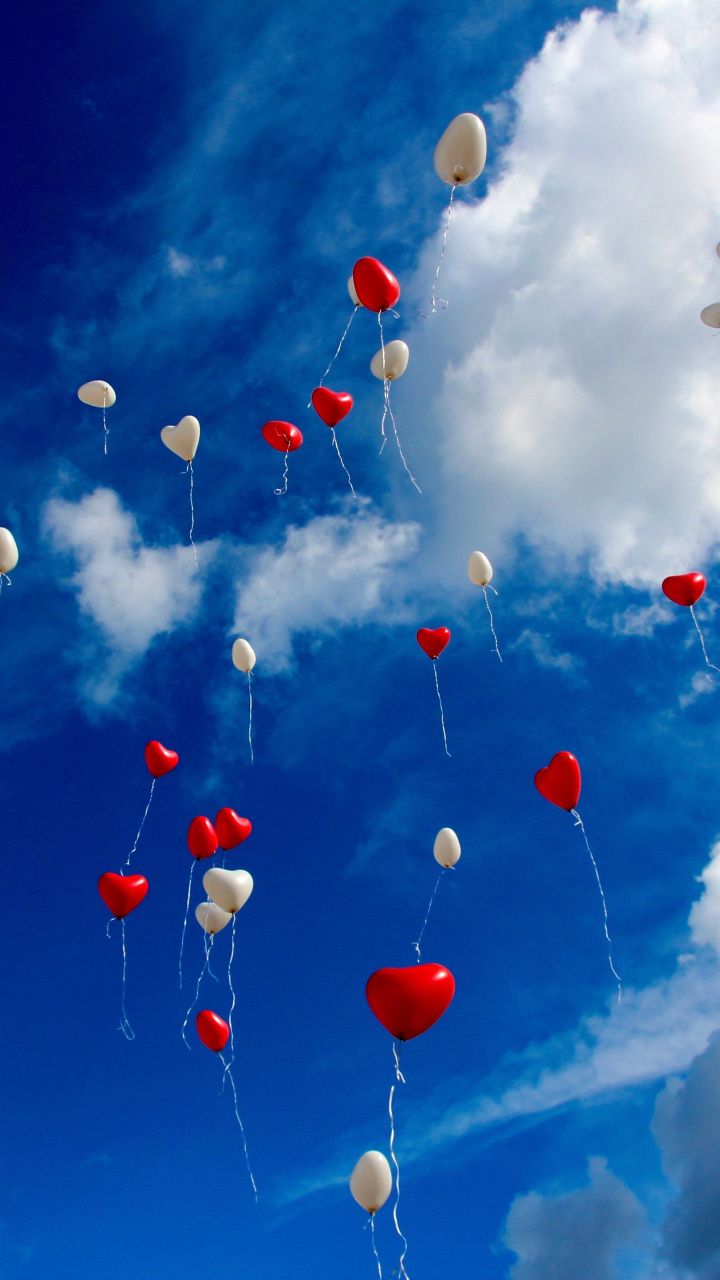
705, 915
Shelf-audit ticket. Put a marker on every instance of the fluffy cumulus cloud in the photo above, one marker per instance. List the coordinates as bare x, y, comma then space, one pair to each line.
579, 390
705, 915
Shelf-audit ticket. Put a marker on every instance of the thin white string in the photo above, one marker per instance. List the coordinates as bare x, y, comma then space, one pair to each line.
187, 912
209, 939
435, 299
442, 713
346, 330
492, 624
386, 386
399, 1079
374, 1245
105, 425
232, 991
192, 510
250, 716
427, 914
286, 472
702, 641
228, 1072
197, 991
125, 1027
397, 439
342, 462
7, 579
579, 823
139, 830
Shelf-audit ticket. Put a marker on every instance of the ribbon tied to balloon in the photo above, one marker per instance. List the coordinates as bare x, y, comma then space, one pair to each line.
285, 438
121, 895
332, 407
159, 761
100, 395
388, 364
480, 573
214, 1033
371, 1184
459, 159
686, 589
183, 440
244, 659
432, 641
446, 852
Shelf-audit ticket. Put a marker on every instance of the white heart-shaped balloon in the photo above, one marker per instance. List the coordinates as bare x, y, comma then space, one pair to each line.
182, 439
230, 889
211, 917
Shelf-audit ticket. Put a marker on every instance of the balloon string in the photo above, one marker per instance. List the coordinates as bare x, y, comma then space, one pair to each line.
187, 912
197, 991
579, 823
492, 624
139, 830
192, 510
6, 578
702, 641
346, 330
442, 713
399, 1079
125, 1027
228, 1072
250, 717
435, 299
209, 939
105, 425
374, 1245
342, 463
386, 385
427, 913
397, 438
232, 991
286, 472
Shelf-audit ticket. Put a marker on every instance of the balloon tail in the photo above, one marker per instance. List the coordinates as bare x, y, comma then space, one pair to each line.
4, 577
209, 939
250, 717
192, 510
441, 303
197, 993
371, 1224
228, 1072
579, 823
286, 472
442, 713
342, 462
492, 623
397, 438
125, 1027
427, 914
139, 830
710, 664
399, 1079
386, 387
340, 345
106, 433
232, 991
187, 912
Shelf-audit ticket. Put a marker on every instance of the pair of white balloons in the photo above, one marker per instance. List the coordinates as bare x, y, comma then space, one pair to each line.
182, 439
228, 891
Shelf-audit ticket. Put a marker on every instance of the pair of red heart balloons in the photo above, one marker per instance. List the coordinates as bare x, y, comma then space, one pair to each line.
560, 781
433, 640
227, 832
408, 1001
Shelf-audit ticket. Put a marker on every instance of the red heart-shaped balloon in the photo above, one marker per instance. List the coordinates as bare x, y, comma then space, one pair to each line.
212, 1030
122, 894
202, 838
684, 588
408, 1001
331, 406
433, 641
282, 436
231, 828
159, 759
560, 781
375, 285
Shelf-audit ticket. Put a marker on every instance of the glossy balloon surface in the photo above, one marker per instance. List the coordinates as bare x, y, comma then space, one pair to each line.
331, 406
231, 829
202, 838
213, 1030
371, 1181
408, 1001
433, 640
560, 781
122, 894
375, 284
282, 436
684, 588
159, 759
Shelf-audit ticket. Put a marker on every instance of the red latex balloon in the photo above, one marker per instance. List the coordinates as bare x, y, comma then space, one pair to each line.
433, 641
375, 285
408, 1001
159, 759
331, 406
282, 436
231, 829
684, 588
202, 838
560, 781
212, 1030
122, 894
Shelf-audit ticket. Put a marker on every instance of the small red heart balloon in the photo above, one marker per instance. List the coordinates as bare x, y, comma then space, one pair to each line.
331, 406
202, 838
231, 829
282, 436
375, 284
408, 1001
159, 759
212, 1030
684, 588
433, 641
122, 894
560, 781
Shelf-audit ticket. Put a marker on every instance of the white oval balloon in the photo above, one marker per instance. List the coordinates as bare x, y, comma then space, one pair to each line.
230, 889
371, 1181
394, 363
97, 393
711, 315
480, 570
243, 656
211, 917
446, 849
182, 439
353, 292
8, 551
461, 153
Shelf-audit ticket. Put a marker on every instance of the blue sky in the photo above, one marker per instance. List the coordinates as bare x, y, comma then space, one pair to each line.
185, 194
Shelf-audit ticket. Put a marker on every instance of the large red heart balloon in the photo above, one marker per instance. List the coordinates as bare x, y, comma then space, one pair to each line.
331, 406
684, 588
202, 838
159, 759
375, 285
122, 894
433, 641
212, 1030
560, 781
408, 1001
231, 829
282, 436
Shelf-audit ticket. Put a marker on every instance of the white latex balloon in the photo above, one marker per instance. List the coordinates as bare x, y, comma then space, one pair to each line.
397, 354
461, 153
211, 917
243, 656
371, 1181
182, 439
480, 570
230, 889
353, 292
8, 551
98, 393
446, 849
711, 315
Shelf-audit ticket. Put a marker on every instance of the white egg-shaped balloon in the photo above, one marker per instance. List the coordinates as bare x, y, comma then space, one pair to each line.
353, 292
8, 551
461, 153
182, 439
97, 393
394, 362
446, 849
371, 1181
211, 917
243, 656
229, 889
480, 570
711, 315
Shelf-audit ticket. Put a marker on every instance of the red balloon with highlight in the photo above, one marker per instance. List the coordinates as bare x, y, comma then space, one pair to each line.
212, 1030
122, 894
433, 640
375, 285
231, 829
331, 406
560, 781
408, 1001
282, 436
202, 838
159, 759
684, 588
